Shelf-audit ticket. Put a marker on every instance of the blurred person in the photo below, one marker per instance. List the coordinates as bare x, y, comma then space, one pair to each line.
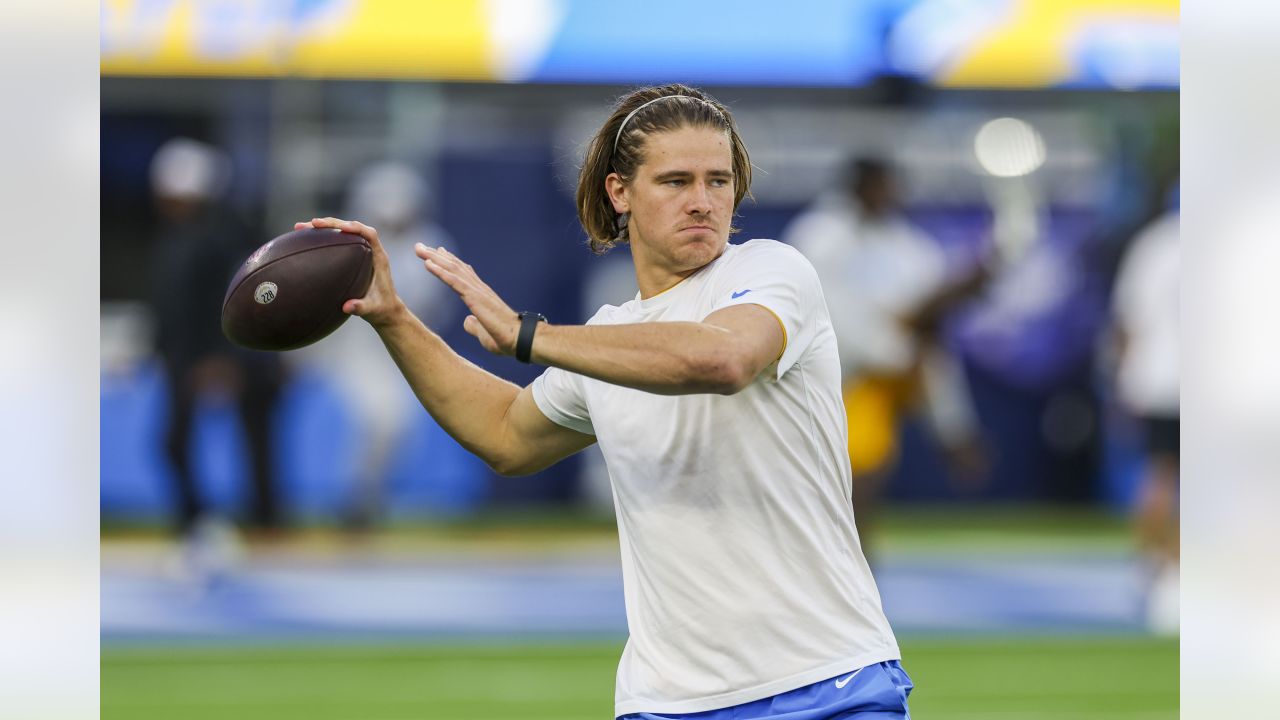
714, 395
394, 197
888, 289
1145, 306
198, 246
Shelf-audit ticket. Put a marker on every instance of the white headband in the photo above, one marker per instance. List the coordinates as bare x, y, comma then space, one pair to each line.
631, 114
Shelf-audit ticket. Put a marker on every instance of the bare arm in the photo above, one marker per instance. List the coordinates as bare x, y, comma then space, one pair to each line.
494, 419
929, 315
722, 354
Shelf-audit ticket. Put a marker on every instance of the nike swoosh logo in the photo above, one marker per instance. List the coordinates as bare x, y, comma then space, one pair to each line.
737, 295
841, 683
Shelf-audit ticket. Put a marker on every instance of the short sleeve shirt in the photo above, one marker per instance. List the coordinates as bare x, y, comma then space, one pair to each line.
743, 573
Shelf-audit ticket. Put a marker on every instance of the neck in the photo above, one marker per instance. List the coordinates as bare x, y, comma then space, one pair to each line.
657, 273
655, 281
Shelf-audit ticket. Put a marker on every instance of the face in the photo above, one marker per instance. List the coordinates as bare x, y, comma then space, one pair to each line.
680, 200
878, 195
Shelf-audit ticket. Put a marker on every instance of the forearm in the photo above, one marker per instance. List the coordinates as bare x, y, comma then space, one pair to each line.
469, 403
666, 358
722, 354
930, 313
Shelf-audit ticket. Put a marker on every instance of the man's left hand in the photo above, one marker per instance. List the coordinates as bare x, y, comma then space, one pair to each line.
491, 321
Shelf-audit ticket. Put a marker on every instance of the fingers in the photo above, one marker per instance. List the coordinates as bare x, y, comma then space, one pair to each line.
490, 314
448, 269
457, 261
437, 254
352, 226
451, 263
446, 276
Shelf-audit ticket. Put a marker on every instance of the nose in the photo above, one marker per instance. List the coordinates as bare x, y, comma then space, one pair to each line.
699, 200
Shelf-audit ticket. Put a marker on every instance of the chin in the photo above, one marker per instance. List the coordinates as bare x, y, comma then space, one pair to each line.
705, 249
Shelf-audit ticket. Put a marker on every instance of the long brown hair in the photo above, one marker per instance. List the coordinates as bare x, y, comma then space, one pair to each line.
623, 152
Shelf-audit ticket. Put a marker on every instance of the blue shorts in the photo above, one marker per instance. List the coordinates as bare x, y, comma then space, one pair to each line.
875, 692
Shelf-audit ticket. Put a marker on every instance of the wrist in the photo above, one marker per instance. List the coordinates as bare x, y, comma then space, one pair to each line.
544, 342
529, 325
397, 315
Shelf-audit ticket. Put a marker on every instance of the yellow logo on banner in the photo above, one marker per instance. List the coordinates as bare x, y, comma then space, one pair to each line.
316, 38
1031, 46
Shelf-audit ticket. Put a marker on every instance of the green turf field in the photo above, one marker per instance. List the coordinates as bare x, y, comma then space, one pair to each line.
1064, 678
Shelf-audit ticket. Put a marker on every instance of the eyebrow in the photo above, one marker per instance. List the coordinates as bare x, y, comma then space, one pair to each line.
679, 174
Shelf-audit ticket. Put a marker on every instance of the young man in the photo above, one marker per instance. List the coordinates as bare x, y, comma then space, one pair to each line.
715, 397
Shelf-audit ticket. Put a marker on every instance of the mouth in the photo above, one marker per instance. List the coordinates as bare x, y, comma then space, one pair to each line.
698, 228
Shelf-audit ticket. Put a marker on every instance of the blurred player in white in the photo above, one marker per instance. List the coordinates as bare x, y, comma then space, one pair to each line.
715, 398
1146, 309
888, 287
394, 197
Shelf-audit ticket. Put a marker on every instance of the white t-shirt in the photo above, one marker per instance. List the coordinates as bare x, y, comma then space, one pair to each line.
1146, 305
743, 574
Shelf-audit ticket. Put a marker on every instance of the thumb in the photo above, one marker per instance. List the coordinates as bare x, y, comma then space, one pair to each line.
352, 307
472, 325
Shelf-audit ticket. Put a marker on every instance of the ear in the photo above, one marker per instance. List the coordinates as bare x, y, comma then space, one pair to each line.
617, 193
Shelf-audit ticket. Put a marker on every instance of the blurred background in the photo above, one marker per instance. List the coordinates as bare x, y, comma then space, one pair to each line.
990, 190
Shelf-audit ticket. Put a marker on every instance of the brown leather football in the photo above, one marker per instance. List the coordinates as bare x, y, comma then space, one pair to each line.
289, 293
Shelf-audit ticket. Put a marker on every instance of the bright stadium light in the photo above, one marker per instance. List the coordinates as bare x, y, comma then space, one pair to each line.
1008, 147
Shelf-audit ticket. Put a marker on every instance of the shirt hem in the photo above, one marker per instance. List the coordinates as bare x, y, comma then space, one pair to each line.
758, 692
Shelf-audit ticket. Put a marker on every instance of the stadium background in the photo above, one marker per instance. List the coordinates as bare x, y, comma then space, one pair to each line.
1017, 597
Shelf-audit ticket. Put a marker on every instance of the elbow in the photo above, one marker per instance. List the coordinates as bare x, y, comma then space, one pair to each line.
736, 380
508, 467
505, 455
721, 373
518, 462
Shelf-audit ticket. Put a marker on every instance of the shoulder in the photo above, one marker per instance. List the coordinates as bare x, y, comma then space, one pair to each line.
760, 247
768, 267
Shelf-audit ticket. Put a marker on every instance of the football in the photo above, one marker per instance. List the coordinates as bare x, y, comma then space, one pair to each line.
289, 293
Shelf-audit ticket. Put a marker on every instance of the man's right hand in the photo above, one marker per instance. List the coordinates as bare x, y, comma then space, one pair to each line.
380, 305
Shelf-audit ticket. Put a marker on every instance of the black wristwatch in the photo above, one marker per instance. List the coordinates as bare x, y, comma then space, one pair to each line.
524, 341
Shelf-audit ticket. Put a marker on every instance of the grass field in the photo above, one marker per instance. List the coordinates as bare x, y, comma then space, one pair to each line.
957, 678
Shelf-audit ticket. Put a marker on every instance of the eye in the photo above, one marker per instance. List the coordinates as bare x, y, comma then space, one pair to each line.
720, 182
675, 182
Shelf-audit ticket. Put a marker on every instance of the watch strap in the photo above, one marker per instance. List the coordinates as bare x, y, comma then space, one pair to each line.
524, 341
